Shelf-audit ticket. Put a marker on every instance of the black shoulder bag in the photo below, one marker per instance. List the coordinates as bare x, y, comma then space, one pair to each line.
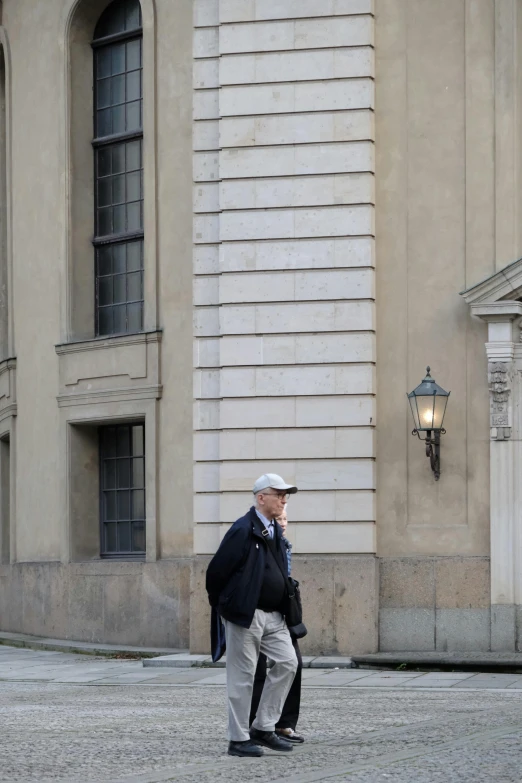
293, 610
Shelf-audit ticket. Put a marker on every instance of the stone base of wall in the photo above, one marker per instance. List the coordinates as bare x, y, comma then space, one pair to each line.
431, 603
436, 603
164, 604
340, 603
506, 628
142, 604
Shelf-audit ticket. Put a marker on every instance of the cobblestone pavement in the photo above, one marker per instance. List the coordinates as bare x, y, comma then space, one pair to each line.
114, 730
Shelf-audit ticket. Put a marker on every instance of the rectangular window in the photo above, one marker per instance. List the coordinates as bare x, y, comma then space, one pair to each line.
122, 490
118, 163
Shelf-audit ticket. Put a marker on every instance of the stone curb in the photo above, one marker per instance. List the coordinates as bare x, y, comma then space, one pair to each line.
474, 660
80, 648
186, 661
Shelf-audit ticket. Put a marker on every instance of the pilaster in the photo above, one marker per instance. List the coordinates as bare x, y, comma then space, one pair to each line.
502, 319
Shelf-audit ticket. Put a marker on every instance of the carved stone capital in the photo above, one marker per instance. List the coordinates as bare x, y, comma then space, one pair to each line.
500, 376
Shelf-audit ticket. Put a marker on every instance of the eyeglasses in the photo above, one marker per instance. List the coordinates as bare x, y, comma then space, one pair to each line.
281, 495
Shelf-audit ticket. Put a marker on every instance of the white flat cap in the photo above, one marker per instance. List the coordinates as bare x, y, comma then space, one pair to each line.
273, 481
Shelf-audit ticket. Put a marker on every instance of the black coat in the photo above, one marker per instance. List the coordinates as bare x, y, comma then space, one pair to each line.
235, 573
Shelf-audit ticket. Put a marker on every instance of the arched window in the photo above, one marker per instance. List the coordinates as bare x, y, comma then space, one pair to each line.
118, 169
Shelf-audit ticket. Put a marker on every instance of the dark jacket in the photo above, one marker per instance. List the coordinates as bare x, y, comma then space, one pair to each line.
235, 573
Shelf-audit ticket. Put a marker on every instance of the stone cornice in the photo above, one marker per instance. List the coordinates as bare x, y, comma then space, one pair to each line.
7, 364
9, 410
101, 343
126, 394
502, 283
498, 311
500, 351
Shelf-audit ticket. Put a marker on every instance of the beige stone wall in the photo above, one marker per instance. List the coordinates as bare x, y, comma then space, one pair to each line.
278, 136
42, 224
434, 603
284, 317
38, 235
68, 390
340, 598
263, 120
449, 179
435, 123
137, 604
174, 151
283, 261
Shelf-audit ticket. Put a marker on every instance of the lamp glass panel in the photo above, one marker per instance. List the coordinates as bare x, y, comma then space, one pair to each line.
426, 407
414, 410
440, 410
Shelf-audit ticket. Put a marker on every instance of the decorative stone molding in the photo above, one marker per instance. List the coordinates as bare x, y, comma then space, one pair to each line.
7, 388
122, 368
502, 318
490, 292
500, 382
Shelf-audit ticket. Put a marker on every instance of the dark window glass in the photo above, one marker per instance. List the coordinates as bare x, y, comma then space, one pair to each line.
119, 190
138, 535
122, 485
119, 287
118, 112
121, 16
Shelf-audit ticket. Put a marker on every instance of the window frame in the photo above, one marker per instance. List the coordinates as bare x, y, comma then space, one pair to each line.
119, 554
97, 143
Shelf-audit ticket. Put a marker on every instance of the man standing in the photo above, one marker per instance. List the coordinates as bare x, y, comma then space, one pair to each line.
246, 583
286, 725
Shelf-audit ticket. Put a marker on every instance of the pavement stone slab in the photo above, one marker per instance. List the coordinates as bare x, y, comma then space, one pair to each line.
137, 675
516, 685
328, 678
381, 682
181, 677
438, 675
213, 679
330, 662
182, 661
489, 681
421, 682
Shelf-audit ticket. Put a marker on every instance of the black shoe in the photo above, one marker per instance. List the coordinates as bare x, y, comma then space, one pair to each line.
270, 740
245, 748
290, 736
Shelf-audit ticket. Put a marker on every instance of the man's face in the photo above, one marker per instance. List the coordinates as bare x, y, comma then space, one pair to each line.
272, 502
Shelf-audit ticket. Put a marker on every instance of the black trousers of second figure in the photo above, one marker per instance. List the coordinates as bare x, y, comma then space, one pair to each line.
290, 714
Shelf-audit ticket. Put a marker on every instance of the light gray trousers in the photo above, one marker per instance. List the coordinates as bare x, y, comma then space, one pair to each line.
268, 634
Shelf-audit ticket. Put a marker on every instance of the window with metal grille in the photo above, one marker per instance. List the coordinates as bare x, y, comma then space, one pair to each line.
122, 490
118, 168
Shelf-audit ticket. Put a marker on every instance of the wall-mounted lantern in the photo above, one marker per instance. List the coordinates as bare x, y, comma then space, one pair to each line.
428, 406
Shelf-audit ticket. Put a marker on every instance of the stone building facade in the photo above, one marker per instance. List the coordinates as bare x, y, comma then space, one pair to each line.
233, 233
